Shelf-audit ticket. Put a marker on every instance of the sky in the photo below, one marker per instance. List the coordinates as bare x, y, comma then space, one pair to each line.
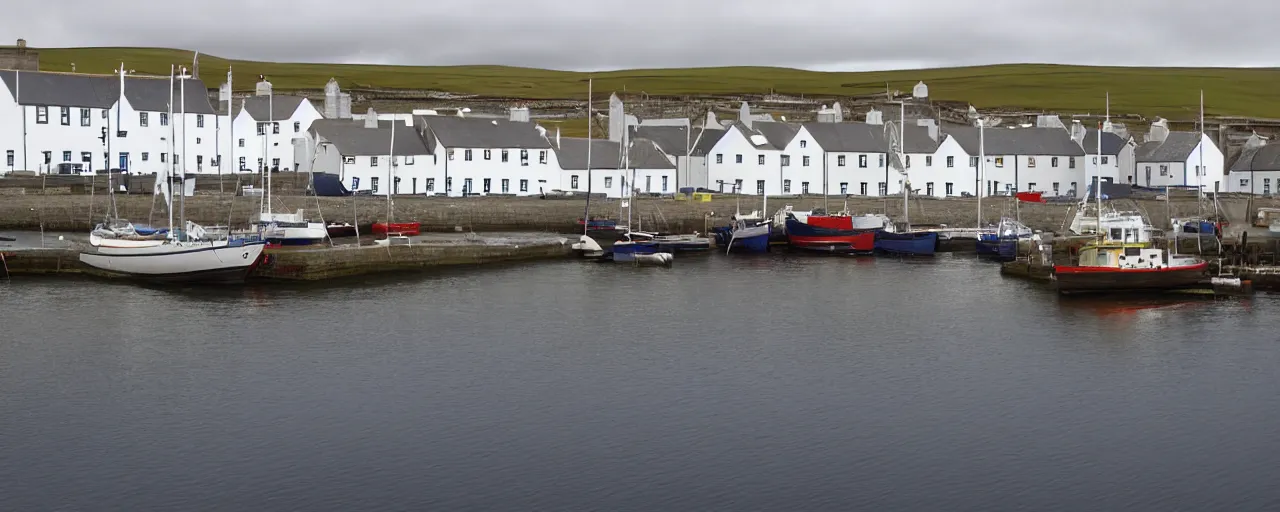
589, 35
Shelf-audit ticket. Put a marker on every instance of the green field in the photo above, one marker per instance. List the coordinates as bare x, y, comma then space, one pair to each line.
1168, 92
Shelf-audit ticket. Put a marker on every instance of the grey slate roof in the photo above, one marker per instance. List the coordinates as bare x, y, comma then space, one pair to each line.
1175, 148
1111, 143
101, 91
705, 139
779, 134
572, 155
748, 132
1263, 158
849, 137
674, 140
1016, 141
353, 139
918, 140
275, 107
464, 132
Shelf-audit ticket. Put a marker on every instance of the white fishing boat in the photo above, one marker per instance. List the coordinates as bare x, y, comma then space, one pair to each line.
186, 262
291, 228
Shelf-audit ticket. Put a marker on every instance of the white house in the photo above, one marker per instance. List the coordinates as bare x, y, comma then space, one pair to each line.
359, 152
745, 161
853, 160
270, 130
490, 156
1257, 171
1115, 163
1036, 159
653, 172
63, 122
937, 165
1175, 159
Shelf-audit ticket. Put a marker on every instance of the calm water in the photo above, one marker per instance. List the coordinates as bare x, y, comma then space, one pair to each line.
719, 384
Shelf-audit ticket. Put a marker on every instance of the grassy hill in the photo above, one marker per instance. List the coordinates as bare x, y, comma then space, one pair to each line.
1169, 92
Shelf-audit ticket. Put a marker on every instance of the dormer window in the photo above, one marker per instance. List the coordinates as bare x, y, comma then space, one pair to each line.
803, 143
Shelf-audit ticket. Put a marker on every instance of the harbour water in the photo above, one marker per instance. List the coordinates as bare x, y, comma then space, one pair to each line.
773, 383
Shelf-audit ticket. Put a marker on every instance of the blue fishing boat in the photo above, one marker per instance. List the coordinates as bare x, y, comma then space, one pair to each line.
1002, 244
747, 238
626, 249
917, 243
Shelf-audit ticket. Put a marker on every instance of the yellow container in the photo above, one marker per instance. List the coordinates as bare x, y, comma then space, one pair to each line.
704, 197
681, 197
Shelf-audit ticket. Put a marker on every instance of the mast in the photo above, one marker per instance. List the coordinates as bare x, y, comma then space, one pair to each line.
390, 170
1098, 179
266, 157
586, 211
982, 164
182, 98
169, 169
1200, 168
902, 157
111, 189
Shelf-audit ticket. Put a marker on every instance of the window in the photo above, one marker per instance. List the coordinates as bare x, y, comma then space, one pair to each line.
1164, 170
862, 188
487, 182
804, 187
66, 156
275, 128
951, 189
466, 155
84, 117
928, 161
1073, 188
240, 143
719, 158
242, 165
862, 161
804, 160
786, 160
1071, 162
664, 183
487, 154
1104, 160
786, 184
373, 161
42, 115
608, 182
1199, 170
881, 160
542, 157
86, 156
448, 185
104, 113
928, 188
506, 186
524, 185
840, 161
200, 121
739, 159
164, 119
999, 161
1266, 186
348, 159
973, 161
8, 157
1053, 162
759, 187
450, 154
760, 160
1031, 162
803, 144
275, 163
408, 159
907, 162
373, 183
1244, 182
573, 181
165, 158
199, 162
197, 140
262, 128
297, 127
882, 188
1055, 188
951, 161
737, 186
66, 116
431, 185
524, 157
844, 188
504, 155
48, 157
1031, 187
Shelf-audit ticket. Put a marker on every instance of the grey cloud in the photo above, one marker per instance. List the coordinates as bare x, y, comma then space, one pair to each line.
611, 34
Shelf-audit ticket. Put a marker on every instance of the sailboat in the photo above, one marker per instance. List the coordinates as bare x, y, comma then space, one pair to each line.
393, 233
188, 255
116, 232
281, 228
634, 247
748, 233
906, 242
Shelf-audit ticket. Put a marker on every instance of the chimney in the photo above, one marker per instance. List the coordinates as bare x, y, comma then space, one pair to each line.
617, 118
557, 137
1078, 132
931, 125
371, 119
1049, 121
331, 95
263, 88
711, 123
875, 117
519, 114
839, 111
1159, 131
920, 91
826, 115
744, 114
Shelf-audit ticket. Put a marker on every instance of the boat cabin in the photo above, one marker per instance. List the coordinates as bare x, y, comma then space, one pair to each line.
1129, 256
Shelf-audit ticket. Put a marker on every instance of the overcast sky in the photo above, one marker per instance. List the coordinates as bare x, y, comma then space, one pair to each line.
614, 34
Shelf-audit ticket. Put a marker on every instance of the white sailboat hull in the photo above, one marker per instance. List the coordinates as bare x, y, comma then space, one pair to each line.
122, 243
180, 262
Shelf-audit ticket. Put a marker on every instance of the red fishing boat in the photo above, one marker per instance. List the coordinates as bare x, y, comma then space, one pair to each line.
1121, 267
829, 233
403, 228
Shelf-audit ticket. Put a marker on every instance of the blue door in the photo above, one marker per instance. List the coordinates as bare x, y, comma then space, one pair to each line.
124, 161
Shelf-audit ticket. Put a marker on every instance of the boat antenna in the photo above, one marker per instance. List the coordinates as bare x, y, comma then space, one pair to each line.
586, 210
1097, 182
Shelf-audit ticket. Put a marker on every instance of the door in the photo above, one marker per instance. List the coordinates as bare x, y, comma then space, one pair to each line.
124, 161
1148, 175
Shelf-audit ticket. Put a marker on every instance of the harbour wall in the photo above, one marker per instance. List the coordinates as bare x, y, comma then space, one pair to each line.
79, 212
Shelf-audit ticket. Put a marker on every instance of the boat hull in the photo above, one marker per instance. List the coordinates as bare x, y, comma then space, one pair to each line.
627, 251
750, 244
181, 263
825, 239
1075, 279
340, 231
404, 228
910, 244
